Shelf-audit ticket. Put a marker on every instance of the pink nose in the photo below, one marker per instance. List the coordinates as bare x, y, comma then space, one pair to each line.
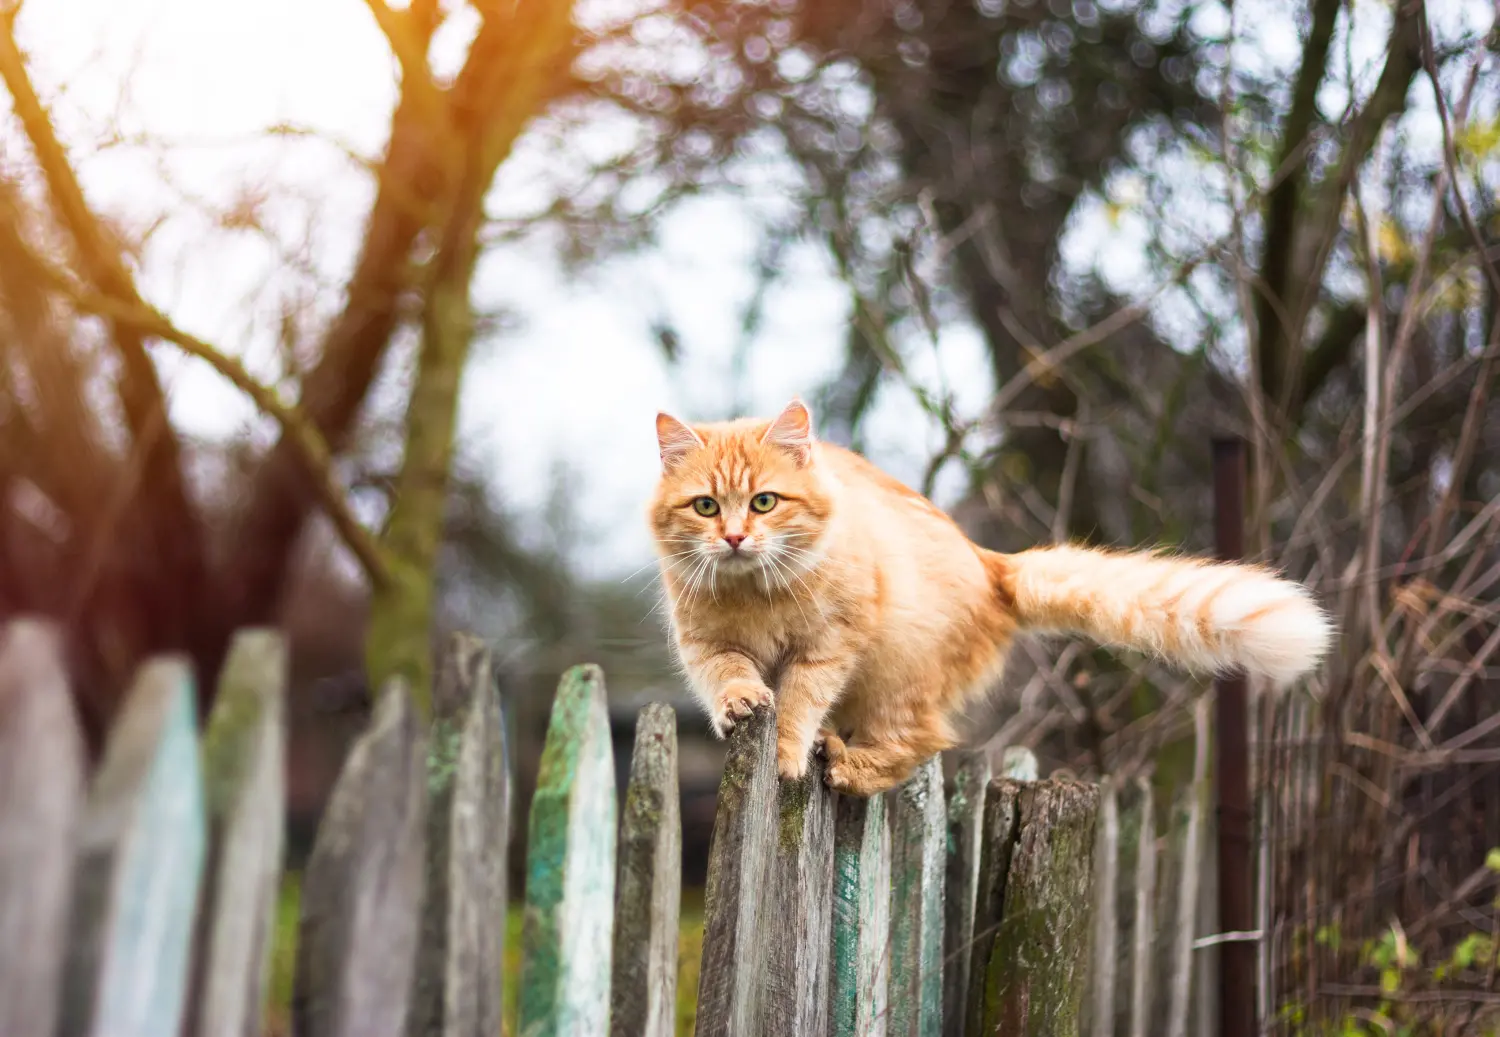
734, 540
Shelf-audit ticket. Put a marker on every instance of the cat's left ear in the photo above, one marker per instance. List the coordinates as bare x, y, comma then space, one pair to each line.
792, 431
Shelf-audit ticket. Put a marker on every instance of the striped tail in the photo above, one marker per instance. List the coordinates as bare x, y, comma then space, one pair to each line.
1204, 616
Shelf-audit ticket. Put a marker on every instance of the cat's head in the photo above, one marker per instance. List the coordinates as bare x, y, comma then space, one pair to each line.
740, 497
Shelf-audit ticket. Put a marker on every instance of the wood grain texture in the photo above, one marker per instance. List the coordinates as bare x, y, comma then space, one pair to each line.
41, 797
1144, 935
457, 983
918, 862
648, 884
362, 888
244, 765
739, 859
998, 834
139, 865
800, 921
965, 818
860, 974
1031, 982
1106, 947
567, 929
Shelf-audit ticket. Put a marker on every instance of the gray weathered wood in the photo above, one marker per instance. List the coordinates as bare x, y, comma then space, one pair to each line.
1145, 916
244, 751
41, 795
1185, 923
858, 985
799, 926
456, 985
140, 861
1106, 914
1028, 973
362, 889
568, 926
965, 815
729, 983
648, 886
918, 862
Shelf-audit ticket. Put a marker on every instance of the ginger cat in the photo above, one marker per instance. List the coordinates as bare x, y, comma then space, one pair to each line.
798, 565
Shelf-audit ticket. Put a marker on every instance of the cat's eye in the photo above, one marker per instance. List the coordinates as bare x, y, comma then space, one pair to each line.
706, 506
763, 502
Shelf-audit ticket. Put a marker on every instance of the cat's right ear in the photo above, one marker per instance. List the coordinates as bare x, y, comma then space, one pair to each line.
675, 440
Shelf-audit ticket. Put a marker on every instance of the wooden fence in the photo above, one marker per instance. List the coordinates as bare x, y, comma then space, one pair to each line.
137, 900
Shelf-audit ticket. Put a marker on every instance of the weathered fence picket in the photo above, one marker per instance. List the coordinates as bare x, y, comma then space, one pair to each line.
244, 751
41, 795
570, 869
648, 886
861, 919
457, 981
965, 816
139, 862
145, 906
739, 864
1106, 930
918, 861
362, 890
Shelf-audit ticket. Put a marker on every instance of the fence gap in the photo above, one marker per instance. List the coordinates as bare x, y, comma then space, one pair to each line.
41, 797
362, 889
140, 861
570, 868
244, 775
457, 982
648, 886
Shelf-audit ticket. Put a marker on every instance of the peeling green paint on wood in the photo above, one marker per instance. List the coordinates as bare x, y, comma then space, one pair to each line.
965, 816
456, 990
799, 926
362, 889
244, 751
140, 861
567, 926
860, 969
648, 887
38, 736
918, 861
745, 825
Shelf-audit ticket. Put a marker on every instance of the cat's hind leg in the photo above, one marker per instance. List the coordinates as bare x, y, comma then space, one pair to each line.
871, 766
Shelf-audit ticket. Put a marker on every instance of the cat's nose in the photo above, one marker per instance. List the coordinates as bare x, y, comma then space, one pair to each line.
734, 540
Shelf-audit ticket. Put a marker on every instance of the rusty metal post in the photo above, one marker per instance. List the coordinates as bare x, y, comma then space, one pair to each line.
1232, 774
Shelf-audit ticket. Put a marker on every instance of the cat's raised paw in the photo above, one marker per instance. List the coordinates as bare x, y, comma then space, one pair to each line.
737, 699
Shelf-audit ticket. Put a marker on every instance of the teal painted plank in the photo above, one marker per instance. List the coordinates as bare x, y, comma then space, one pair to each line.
860, 966
971, 775
362, 888
568, 924
39, 736
244, 766
918, 861
736, 904
140, 861
799, 926
458, 977
648, 887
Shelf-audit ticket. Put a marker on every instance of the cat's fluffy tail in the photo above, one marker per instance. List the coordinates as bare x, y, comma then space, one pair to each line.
1204, 616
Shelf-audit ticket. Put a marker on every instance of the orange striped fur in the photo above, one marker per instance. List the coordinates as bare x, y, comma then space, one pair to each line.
799, 566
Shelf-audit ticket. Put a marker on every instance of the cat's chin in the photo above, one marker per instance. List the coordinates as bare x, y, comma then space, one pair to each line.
738, 564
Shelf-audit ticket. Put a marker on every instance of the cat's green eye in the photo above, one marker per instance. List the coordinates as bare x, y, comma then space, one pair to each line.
763, 502
706, 506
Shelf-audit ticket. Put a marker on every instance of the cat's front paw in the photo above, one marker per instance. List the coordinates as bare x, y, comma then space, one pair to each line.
735, 700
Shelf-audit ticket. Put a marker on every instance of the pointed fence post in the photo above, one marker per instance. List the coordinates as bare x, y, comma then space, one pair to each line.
729, 984
244, 764
965, 818
41, 797
570, 869
918, 861
456, 989
362, 890
140, 861
648, 886
857, 996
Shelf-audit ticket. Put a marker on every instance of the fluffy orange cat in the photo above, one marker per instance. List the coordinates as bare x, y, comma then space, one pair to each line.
796, 565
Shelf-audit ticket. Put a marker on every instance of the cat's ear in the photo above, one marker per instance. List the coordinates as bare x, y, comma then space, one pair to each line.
792, 431
675, 439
